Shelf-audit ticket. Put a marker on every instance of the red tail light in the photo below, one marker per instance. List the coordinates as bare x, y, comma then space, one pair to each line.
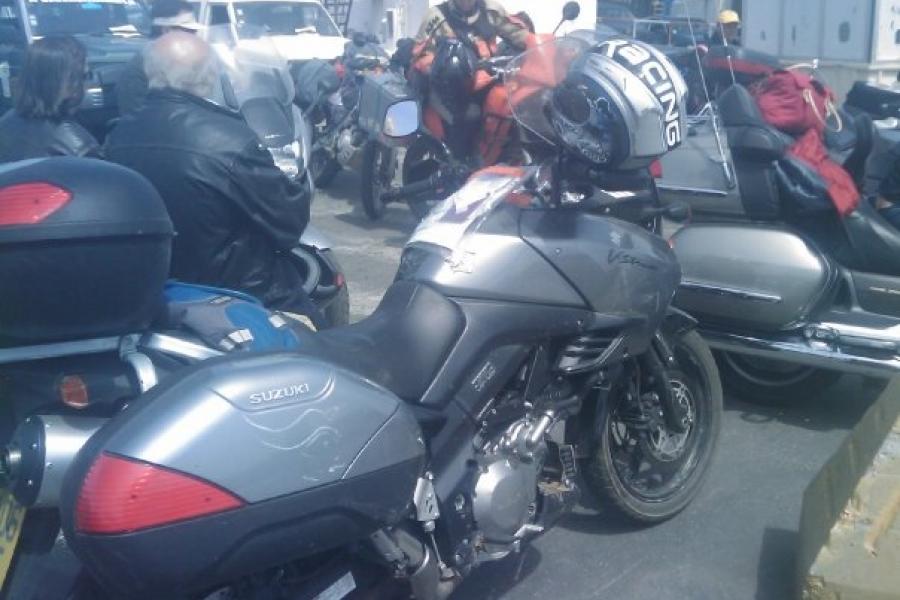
120, 495
73, 391
30, 203
656, 170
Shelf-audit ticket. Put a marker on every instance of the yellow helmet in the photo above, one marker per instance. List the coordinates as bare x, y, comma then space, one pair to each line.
727, 17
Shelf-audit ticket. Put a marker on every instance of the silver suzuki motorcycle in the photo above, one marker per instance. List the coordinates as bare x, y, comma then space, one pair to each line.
790, 294
459, 421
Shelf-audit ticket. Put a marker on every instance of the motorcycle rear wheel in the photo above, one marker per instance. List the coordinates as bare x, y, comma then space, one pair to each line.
771, 382
650, 476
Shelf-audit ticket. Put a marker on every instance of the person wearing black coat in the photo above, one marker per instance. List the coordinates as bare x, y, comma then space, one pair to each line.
52, 87
237, 216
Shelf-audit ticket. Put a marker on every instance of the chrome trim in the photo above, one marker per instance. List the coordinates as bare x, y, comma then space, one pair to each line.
718, 290
683, 188
797, 350
168, 344
142, 365
43, 351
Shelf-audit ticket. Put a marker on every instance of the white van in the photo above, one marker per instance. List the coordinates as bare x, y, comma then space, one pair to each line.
301, 29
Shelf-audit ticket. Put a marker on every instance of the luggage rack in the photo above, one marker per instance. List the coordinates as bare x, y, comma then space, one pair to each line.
340, 12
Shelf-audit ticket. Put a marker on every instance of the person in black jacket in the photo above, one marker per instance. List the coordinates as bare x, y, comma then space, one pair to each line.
237, 216
889, 189
167, 16
52, 87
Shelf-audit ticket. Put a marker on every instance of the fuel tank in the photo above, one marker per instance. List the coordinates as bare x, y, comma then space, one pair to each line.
619, 269
244, 464
752, 276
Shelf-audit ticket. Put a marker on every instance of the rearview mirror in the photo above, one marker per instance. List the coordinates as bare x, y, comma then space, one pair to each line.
401, 119
571, 11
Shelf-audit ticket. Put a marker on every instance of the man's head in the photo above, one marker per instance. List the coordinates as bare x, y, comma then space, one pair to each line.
730, 22
183, 62
465, 8
172, 15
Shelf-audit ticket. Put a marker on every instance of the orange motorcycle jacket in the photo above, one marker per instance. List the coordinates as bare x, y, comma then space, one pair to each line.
480, 32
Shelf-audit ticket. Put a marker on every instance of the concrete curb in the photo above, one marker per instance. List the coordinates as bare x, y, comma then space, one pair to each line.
849, 533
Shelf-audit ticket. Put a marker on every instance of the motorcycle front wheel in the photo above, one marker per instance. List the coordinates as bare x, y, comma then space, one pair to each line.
641, 469
379, 164
764, 381
323, 168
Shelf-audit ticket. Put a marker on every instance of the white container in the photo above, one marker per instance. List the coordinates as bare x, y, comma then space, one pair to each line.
847, 30
762, 26
801, 32
886, 38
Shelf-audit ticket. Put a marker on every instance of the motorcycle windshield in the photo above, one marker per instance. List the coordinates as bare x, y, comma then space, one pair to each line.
462, 214
250, 67
531, 77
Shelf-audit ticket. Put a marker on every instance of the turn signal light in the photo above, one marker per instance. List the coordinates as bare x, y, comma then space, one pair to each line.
30, 203
121, 495
73, 392
656, 170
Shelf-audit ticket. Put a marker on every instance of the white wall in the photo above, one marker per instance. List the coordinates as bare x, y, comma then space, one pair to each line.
547, 13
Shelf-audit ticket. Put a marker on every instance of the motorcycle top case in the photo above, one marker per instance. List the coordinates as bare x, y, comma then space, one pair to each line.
243, 464
84, 250
761, 277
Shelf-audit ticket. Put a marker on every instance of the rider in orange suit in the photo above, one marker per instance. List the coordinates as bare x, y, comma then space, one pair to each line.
480, 25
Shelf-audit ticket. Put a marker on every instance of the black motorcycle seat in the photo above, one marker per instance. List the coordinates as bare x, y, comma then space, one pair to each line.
400, 346
749, 136
875, 242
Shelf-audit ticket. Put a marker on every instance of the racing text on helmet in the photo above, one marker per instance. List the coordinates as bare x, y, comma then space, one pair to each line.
643, 64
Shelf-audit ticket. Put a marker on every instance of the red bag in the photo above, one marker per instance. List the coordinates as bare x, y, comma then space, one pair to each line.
794, 102
810, 148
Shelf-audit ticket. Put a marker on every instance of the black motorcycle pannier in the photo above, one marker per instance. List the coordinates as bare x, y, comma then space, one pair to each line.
313, 79
879, 101
84, 250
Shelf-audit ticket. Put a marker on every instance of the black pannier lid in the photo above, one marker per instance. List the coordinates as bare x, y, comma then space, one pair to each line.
106, 200
85, 247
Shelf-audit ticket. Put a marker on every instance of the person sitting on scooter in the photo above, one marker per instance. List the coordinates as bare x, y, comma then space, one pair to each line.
477, 26
237, 215
52, 87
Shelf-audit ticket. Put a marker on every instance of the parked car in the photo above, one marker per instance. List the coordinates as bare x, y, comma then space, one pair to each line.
301, 29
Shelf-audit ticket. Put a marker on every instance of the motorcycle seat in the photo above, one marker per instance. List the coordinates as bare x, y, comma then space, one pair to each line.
875, 242
400, 346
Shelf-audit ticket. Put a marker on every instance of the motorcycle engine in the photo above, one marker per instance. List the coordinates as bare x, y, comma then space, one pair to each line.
504, 502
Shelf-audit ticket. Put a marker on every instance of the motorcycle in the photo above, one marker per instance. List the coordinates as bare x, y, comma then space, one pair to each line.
433, 164
789, 294
444, 431
255, 81
331, 98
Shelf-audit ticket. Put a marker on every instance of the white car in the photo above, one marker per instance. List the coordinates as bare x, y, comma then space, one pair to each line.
300, 29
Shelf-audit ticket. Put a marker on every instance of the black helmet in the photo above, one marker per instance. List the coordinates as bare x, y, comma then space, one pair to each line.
587, 120
453, 74
464, 9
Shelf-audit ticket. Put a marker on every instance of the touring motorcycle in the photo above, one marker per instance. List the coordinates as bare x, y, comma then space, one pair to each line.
455, 424
790, 294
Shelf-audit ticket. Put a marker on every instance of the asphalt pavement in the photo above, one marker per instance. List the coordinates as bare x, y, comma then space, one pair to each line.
737, 540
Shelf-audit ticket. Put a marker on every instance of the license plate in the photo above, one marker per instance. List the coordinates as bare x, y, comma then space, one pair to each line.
11, 517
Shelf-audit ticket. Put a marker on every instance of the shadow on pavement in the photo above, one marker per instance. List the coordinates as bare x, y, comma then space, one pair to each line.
840, 407
495, 580
775, 574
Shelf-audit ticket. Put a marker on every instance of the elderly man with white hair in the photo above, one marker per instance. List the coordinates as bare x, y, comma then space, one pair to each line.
236, 214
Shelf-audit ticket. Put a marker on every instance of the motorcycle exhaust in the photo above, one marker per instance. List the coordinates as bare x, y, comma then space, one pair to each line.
40, 452
810, 350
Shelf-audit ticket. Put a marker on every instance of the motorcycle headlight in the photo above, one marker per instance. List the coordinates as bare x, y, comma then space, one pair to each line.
288, 159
